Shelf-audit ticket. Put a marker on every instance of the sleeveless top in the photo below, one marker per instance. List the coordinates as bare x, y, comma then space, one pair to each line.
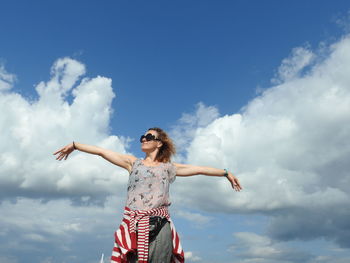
148, 186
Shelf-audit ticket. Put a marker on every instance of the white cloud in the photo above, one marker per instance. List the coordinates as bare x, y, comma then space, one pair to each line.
251, 247
289, 147
32, 226
6, 79
197, 219
293, 66
33, 130
184, 130
191, 257
62, 207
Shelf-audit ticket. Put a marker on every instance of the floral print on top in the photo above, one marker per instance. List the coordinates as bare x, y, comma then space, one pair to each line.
148, 186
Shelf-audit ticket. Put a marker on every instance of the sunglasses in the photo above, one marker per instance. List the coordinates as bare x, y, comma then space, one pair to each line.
149, 137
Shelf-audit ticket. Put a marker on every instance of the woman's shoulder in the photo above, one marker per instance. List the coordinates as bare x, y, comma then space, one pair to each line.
170, 167
167, 164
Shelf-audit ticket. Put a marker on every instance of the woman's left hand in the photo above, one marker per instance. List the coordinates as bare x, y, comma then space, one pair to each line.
234, 182
64, 152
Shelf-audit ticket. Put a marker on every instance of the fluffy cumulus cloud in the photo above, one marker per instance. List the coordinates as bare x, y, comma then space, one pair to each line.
289, 147
33, 130
184, 130
46, 205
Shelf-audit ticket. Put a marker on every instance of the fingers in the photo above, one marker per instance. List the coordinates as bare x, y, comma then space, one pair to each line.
236, 185
63, 153
236, 188
65, 158
58, 151
61, 156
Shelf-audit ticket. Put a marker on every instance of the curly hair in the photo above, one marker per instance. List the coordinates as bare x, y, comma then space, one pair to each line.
168, 148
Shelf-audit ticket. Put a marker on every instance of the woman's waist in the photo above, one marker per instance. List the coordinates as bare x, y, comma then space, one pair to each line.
139, 206
147, 201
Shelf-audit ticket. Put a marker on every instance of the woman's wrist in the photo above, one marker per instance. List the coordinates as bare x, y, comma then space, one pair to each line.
225, 172
74, 147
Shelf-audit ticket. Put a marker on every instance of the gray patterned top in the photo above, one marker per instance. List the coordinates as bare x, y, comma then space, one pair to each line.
148, 186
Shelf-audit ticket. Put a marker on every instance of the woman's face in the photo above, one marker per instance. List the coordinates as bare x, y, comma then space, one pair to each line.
150, 146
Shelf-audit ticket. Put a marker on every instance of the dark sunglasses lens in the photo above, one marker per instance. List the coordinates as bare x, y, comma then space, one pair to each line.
148, 137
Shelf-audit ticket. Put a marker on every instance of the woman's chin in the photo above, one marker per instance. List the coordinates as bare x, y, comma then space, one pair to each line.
145, 149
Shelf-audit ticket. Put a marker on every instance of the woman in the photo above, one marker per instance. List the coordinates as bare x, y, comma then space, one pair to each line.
147, 233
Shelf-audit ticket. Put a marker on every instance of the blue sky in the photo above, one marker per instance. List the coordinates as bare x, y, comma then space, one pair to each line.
246, 85
217, 53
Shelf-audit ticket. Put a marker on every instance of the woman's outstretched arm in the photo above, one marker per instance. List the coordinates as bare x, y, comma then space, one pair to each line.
189, 170
123, 160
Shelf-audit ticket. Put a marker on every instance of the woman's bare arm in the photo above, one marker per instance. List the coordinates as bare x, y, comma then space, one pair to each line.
190, 170
123, 160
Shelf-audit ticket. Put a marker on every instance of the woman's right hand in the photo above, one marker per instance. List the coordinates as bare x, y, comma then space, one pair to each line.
64, 152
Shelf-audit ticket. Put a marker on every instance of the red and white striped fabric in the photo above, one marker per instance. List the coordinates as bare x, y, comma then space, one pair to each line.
127, 240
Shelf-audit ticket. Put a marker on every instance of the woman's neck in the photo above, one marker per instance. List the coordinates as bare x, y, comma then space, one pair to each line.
151, 157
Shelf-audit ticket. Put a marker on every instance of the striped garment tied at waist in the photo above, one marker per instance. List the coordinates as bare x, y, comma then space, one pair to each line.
128, 240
